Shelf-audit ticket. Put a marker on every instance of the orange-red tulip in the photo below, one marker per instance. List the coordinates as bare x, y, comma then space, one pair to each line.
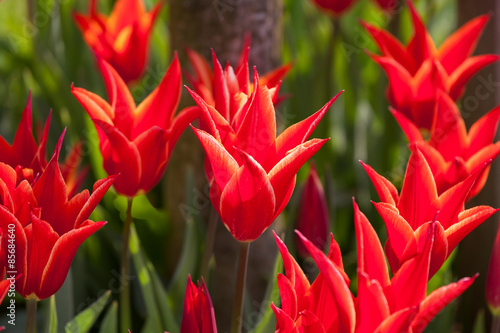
418, 70
122, 38
136, 141
47, 226
252, 171
451, 152
408, 214
198, 315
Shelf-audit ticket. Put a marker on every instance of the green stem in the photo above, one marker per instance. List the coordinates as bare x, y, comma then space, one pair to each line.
209, 243
330, 57
31, 317
240, 288
125, 312
495, 325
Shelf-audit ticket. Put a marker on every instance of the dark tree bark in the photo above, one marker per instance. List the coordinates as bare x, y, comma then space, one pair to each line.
480, 97
221, 25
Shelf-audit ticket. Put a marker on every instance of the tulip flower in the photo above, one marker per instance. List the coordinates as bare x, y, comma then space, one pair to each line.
408, 213
313, 220
136, 142
122, 38
333, 8
493, 279
27, 156
198, 315
418, 70
451, 152
251, 167
400, 304
47, 225
228, 89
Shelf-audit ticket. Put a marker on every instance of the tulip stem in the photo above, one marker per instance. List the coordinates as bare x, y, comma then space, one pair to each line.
495, 325
31, 316
240, 288
209, 242
125, 312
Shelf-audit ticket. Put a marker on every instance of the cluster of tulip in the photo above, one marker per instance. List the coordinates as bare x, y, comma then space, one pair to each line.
249, 165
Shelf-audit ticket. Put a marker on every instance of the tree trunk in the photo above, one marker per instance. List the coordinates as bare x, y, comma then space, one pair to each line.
479, 98
221, 25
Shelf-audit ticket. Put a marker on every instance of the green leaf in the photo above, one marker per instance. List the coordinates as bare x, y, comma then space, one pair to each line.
52, 317
84, 320
268, 320
110, 321
159, 311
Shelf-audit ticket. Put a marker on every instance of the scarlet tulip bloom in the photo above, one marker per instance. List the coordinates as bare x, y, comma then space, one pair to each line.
47, 225
313, 220
400, 304
122, 38
408, 213
28, 158
198, 315
249, 166
136, 142
228, 89
493, 278
451, 152
333, 8
417, 70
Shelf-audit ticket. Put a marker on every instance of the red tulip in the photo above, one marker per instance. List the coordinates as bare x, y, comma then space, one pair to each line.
451, 152
400, 304
27, 156
408, 214
122, 38
333, 8
136, 142
313, 220
418, 70
228, 89
198, 315
48, 226
251, 167
493, 278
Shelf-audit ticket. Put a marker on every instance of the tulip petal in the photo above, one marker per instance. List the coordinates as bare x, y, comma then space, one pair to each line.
482, 132
62, 255
288, 296
298, 133
121, 156
248, 188
179, 124
460, 45
371, 259
385, 190
409, 128
153, 148
466, 70
419, 190
99, 190
164, 98
283, 173
437, 300
284, 324
440, 251
338, 287
371, 306
224, 166
119, 96
95, 105
220, 89
398, 322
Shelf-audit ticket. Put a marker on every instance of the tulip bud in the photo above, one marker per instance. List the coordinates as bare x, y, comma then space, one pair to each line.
198, 315
313, 220
493, 278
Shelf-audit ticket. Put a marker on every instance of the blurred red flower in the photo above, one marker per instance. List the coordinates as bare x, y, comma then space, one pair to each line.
407, 215
136, 141
400, 304
451, 152
333, 8
313, 220
418, 70
47, 226
122, 38
254, 171
198, 315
